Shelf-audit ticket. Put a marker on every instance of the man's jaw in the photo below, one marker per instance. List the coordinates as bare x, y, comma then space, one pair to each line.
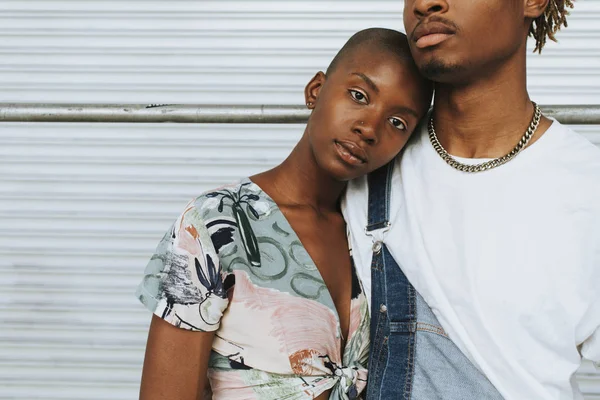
439, 71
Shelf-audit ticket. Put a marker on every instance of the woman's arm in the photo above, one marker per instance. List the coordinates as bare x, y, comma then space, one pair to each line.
176, 363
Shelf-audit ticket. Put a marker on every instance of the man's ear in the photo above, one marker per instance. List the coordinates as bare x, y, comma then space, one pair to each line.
313, 88
535, 8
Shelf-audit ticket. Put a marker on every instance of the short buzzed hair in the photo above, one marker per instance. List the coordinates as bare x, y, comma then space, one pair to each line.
387, 40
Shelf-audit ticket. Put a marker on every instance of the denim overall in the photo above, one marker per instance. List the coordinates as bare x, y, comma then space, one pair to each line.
411, 356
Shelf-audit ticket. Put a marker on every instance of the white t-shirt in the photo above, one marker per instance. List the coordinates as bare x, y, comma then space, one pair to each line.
508, 259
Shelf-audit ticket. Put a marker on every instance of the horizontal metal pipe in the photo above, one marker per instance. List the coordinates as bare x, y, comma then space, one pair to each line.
216, 114
153, 113
574, 115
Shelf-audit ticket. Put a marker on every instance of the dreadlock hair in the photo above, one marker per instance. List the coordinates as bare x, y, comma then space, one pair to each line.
546, 25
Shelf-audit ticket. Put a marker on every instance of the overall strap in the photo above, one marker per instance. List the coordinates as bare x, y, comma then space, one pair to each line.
380, 185
393, 313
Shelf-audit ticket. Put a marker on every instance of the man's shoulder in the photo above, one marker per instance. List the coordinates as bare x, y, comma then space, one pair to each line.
356, 196
577, 153
576, 166
578, 143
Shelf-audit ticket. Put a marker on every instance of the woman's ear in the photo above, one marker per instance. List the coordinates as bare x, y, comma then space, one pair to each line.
313, 88
534, 8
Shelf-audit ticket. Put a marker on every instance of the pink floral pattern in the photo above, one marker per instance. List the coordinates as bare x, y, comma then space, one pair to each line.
231, 263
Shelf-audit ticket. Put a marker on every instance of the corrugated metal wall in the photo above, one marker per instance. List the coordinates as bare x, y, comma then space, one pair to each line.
83, 205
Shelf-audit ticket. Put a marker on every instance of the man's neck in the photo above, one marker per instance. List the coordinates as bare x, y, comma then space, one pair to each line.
487, 117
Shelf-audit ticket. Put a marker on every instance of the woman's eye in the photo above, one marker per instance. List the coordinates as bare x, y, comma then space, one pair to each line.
358, 96
397, 123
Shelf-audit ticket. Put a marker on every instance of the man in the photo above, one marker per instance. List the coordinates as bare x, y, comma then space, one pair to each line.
493, 216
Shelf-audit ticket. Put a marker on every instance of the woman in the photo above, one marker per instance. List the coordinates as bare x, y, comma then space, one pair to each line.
254, 285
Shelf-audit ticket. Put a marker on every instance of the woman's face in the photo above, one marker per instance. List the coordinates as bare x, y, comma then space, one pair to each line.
364, 111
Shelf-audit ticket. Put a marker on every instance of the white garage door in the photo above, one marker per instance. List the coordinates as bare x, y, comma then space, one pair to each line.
83, 205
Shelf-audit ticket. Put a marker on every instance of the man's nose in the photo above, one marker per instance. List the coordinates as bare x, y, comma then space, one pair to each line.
424, 8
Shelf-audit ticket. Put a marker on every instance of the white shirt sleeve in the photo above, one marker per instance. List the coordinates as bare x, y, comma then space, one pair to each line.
590, 349
355, 211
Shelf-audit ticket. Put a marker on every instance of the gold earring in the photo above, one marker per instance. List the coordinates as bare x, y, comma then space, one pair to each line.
309, 104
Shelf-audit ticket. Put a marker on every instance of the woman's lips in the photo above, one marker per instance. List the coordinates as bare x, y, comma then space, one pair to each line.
350, 152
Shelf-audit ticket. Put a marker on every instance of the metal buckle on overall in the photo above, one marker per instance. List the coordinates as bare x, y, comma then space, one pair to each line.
377, 244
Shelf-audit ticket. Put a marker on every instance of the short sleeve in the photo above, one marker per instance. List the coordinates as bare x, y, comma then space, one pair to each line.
183, 282
590, 349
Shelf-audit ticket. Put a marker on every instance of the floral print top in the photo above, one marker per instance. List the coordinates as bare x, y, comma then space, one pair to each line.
231, 263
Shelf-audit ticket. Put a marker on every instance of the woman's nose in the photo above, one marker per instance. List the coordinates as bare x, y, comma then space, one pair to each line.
366, 131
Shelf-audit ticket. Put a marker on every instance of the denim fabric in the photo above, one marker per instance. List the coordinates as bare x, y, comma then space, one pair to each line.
442, 371
411, 358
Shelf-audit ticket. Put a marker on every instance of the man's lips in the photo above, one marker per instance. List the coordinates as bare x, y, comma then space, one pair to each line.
351, 152
431, 34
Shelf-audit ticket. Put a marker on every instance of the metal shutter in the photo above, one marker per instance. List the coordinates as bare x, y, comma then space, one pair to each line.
83, 205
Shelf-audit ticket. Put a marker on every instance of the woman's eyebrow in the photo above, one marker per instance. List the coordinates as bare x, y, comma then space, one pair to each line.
367, 80
407, 110
372, 85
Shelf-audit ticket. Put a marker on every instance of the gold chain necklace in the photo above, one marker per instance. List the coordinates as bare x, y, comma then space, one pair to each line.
535, 121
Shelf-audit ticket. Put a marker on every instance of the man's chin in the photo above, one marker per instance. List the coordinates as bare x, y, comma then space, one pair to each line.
439, 71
